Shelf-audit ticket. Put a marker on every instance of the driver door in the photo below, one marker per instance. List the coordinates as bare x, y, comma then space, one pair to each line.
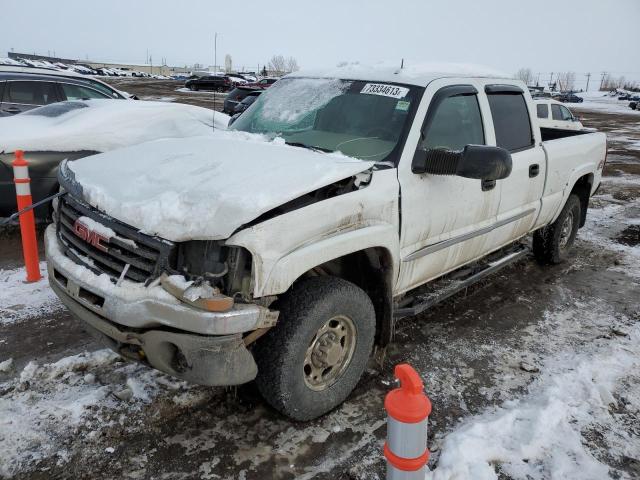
443, 216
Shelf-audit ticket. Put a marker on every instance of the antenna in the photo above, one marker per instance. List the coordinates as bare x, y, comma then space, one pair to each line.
402, 63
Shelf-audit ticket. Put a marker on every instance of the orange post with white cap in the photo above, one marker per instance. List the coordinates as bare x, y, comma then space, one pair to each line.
408, 409
27, 219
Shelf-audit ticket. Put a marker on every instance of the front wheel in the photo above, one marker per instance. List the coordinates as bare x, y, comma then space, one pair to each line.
193, 88
552, 243
313, 358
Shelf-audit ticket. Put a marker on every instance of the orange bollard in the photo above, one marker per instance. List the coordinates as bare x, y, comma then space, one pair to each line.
408, 410
27, 220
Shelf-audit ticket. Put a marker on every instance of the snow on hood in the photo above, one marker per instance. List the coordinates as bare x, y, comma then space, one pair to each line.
204, 187
103, 125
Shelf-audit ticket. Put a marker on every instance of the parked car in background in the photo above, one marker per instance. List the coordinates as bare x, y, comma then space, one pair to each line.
264, 83
249, 77
216, 83
20, 92
553, 114
633, 105
73, 130
244, 104
568, 98
237, 80
235, 96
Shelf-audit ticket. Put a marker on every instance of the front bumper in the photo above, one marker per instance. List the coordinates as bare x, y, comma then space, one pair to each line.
199, 346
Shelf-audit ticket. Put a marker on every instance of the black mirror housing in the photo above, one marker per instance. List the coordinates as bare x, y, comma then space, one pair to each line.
481, 162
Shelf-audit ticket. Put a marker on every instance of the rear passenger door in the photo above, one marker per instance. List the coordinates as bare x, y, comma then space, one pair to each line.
22, 95
521, 194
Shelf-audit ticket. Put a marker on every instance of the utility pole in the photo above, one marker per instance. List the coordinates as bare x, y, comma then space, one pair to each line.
215, 53
588, 75
604, 74
551, 80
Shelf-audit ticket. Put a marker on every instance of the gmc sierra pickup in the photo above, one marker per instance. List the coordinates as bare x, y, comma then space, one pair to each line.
285, 249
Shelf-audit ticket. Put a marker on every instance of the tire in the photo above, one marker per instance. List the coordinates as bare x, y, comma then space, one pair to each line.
551, 244
193, 88
291, 357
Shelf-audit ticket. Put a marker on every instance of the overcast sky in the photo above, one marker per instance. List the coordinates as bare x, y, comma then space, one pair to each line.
545, 35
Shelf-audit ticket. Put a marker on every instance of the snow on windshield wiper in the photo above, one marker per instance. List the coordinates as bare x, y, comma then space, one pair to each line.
310, 147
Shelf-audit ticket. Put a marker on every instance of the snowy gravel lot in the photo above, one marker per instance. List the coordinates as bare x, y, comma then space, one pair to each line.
533, 374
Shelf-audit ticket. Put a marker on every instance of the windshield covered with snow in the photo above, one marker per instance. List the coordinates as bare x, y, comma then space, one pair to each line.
361, 119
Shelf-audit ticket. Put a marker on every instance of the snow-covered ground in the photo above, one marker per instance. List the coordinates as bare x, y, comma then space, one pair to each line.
20, 300
601, 102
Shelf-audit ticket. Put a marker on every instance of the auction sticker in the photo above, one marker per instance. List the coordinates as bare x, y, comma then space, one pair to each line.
385, 90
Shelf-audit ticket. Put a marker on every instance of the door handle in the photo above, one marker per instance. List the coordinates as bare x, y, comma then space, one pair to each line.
534, 170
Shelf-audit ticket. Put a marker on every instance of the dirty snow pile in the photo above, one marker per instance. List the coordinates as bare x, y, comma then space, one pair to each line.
43, 408
541, 435
20, 300
223, 180
103, 125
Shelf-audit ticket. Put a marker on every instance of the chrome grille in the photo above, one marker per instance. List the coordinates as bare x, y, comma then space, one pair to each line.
146, 256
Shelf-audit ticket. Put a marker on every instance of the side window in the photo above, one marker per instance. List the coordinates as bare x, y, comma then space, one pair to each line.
566, 114
543, 110
30, 93
511, 120
76, 92
456, 123
556, 113
102, 88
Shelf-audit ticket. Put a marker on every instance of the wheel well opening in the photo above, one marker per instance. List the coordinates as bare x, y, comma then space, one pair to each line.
582, 188
371, 270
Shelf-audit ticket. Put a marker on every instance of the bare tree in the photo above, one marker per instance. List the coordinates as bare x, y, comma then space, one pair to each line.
292, 65
566, 81
228, 63
526, 75
278, 65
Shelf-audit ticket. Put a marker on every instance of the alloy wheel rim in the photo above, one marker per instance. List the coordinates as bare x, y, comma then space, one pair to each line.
329, 353
565, 230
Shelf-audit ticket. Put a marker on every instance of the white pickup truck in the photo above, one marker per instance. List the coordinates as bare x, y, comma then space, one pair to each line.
284, 249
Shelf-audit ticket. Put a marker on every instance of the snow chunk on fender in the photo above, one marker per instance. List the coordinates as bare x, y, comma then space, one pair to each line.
204, 187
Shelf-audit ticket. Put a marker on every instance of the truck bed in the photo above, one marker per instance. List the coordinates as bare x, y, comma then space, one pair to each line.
556, 133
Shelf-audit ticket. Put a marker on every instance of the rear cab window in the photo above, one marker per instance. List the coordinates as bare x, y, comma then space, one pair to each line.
511, 120
542, 110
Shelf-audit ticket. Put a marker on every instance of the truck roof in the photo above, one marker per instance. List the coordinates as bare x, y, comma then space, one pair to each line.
411, 74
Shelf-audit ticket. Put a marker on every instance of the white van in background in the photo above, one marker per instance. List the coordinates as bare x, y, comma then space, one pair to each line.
553, 114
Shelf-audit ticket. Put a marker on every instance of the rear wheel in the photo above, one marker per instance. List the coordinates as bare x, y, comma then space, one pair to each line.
310, 362
552, 243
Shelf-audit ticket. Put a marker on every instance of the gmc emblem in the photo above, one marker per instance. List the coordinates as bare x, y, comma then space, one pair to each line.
90, 236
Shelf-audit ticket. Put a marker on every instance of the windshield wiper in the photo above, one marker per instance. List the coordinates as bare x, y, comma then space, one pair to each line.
310, 147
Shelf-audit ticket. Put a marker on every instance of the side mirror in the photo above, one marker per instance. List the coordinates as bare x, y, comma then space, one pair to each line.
474, 161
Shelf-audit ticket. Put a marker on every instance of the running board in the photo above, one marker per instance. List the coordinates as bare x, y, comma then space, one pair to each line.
454, 283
